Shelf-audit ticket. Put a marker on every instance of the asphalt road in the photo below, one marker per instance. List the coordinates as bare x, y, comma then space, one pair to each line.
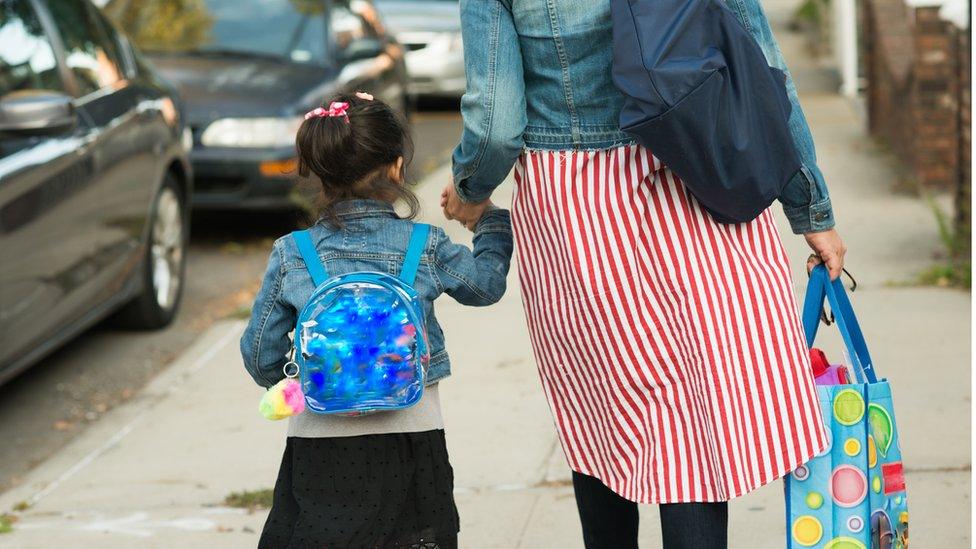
49, 404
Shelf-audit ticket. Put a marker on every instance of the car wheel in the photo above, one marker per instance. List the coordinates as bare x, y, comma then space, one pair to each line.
165, 262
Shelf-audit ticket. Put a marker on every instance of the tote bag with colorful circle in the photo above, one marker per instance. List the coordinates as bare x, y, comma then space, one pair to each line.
852, 496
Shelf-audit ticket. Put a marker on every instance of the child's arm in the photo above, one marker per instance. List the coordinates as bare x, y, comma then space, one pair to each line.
476, 277
265, 343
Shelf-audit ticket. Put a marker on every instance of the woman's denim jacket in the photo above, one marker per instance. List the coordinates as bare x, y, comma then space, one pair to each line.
538, 77
373, 238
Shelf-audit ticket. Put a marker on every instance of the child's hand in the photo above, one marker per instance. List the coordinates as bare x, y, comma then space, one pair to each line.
467, 213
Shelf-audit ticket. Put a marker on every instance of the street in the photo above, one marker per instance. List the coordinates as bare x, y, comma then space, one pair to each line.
54, 401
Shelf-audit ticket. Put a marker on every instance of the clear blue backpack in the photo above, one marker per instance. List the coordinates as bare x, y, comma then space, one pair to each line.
360, 341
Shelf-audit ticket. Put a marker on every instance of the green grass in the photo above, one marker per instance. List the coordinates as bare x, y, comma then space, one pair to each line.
956, 271
7, 523
250, 499
948, 275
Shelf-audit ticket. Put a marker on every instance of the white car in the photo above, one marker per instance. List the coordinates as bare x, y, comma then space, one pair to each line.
430, 32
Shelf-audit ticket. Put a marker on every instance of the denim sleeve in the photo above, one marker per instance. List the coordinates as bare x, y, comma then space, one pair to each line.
493, 107
805, 198
265, 343
476, 277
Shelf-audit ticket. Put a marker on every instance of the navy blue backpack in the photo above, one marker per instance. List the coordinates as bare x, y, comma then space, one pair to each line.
701, 96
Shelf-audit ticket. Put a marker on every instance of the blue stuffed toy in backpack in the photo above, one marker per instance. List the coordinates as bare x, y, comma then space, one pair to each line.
360, 341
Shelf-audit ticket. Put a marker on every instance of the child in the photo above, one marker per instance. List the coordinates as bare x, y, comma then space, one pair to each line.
383, 479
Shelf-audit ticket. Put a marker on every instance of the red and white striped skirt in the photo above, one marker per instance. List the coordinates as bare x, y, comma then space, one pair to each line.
669, 345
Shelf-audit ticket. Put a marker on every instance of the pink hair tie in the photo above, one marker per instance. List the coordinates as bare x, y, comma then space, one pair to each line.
336, 109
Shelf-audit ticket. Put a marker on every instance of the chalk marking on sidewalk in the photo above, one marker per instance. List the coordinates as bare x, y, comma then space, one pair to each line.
128, 427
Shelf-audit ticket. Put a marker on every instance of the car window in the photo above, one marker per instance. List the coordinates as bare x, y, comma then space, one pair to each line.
370, 17
286, 30
27, 60
347, 26
90, 55
351, 24
116, 43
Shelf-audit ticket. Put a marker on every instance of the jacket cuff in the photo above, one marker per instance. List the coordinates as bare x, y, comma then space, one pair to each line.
817, 217
460, 187
494, 220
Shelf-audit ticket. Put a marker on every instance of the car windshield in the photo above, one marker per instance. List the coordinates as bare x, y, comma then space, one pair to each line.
290, 30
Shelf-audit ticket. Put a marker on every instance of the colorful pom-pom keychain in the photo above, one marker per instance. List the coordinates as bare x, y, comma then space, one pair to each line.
285, 398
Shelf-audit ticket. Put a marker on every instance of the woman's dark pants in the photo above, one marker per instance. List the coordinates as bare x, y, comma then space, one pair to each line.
610, 521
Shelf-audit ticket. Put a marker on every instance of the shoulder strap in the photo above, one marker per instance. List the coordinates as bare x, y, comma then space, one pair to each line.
418, 241
310, 256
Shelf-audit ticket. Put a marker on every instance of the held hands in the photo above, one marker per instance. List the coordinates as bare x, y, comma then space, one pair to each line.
827, 248
467, 213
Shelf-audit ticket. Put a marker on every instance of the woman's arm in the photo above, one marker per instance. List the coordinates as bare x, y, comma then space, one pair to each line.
265, 343
493, 107
805, 199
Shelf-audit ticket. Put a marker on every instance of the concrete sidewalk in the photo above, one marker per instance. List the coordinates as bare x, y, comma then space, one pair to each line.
154, 471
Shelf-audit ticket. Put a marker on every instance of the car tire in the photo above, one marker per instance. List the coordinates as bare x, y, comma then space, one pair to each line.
164, 264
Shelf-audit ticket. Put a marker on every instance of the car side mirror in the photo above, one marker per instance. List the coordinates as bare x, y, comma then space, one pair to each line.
363, 48
36, 112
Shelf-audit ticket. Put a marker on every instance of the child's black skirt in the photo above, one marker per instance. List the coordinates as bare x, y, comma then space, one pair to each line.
371, 491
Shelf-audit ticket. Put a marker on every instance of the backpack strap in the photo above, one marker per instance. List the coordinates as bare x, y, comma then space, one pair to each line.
418, 241
311, 257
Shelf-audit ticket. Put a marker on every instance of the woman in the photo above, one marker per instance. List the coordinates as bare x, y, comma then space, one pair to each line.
668, 345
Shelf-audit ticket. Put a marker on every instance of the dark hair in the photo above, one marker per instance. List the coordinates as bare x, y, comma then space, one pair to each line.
350, 154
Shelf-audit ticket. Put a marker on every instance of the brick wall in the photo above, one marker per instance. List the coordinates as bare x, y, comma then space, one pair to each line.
913, 59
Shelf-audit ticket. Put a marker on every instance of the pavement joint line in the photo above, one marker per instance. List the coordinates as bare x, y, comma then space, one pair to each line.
528, 521
515, 487
544, 470
959, 469
114, 440
85, 461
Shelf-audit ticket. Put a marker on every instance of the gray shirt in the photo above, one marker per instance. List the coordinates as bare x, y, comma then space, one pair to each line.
423, 416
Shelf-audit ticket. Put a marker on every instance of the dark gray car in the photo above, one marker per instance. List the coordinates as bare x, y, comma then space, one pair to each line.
248, 70
94, 181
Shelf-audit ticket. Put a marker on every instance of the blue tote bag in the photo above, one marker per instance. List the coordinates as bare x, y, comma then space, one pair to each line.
852, 496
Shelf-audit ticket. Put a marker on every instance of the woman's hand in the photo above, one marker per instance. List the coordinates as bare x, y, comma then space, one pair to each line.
467, 214
827, 248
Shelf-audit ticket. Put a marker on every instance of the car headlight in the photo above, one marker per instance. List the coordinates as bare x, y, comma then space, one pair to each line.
253, 133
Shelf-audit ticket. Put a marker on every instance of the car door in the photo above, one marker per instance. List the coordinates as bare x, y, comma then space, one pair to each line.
45, 234
124, 153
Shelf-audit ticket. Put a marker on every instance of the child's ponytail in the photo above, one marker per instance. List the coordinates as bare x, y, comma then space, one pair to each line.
348, 146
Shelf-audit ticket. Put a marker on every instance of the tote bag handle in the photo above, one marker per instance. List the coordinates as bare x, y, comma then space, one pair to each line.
821, 287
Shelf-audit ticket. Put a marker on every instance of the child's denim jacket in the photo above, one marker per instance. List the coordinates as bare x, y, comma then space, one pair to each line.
373, 238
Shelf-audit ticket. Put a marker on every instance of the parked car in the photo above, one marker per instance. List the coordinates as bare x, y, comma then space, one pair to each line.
249, 70
94, 181
430, 30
